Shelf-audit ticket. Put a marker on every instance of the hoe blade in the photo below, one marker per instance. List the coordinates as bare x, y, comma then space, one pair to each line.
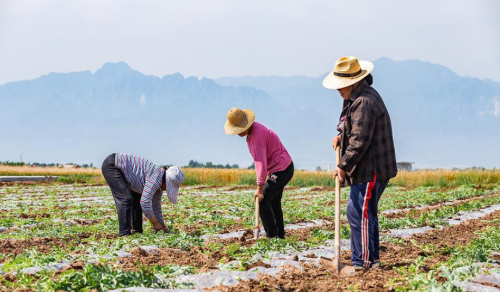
342, 270
256, 233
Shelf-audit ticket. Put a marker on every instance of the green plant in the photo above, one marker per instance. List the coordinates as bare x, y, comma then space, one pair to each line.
105, 277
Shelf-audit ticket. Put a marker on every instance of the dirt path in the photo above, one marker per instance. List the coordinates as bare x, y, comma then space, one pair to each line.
392, 255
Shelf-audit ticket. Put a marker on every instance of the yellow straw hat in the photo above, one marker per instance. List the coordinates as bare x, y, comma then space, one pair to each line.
346, 72
238, 121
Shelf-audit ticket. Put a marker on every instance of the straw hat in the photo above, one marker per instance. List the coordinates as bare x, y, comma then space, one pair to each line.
173, 180
238, 121
347, 71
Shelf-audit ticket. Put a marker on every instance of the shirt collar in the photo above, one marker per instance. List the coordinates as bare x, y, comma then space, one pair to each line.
357, 91
249, 135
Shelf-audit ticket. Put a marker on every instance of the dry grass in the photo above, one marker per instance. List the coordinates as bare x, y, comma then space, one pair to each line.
447, 178
225, 177
89, 175
217, 177
27, 170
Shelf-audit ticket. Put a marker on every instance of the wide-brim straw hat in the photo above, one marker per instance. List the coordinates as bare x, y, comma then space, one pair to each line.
238, 121
346, 72
173, 181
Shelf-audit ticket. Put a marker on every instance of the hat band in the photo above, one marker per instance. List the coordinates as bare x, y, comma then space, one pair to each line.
348, 74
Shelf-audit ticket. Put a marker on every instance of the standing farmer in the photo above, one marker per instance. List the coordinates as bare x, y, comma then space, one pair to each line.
271, 160
137, 185
368, 158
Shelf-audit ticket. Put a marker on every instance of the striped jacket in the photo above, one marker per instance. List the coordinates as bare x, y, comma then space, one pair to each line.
144, 178
367, 145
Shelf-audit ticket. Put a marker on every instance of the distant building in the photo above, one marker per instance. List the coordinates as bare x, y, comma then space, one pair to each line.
71, 165
404, 166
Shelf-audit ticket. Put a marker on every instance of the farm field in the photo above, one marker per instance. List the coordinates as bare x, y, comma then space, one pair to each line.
57, 236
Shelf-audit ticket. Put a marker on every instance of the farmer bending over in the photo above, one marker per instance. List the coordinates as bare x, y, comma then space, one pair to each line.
271, 160
137, 186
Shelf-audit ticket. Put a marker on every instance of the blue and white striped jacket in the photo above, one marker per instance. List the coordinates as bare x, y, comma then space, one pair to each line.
144, 178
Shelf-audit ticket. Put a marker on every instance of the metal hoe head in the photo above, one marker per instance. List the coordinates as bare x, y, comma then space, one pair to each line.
337, 268
256, 232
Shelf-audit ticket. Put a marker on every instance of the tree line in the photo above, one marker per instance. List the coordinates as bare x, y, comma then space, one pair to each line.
36, 164
196, 164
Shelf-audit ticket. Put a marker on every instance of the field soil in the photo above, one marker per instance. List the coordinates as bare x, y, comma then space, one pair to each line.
392, 256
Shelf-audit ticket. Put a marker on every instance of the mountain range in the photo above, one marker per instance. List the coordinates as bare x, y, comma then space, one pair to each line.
439, 119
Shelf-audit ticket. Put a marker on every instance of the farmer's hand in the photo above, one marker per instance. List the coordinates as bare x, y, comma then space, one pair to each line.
157, 227
164, 228
259, 193
336, 142
340, 172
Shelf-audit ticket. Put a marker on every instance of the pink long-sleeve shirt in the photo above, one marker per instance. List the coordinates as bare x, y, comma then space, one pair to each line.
268, 153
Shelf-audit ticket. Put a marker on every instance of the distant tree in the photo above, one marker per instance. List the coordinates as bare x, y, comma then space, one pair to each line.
11, 163
251, 166
196, 164
318, 168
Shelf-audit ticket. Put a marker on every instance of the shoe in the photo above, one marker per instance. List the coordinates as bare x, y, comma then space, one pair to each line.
376, 265
359, 268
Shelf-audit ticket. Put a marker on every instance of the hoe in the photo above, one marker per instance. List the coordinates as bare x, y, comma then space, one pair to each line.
336, 266
256, 231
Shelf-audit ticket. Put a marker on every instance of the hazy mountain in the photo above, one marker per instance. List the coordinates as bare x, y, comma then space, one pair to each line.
440, 119
84, 116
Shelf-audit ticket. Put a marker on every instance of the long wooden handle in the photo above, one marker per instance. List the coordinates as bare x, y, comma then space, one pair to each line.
257, 211
337, 210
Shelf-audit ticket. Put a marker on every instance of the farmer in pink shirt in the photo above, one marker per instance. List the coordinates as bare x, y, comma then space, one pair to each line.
272, 161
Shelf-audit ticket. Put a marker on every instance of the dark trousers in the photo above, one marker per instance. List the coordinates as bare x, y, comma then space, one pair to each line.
270, 207
128, 202
362, 213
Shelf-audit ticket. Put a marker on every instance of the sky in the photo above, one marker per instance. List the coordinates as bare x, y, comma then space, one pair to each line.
241, 38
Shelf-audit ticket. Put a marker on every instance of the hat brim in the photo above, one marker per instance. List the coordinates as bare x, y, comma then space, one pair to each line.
235, 130
335, 82
172, 190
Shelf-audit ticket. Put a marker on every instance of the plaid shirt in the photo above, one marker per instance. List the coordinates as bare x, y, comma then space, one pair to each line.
144, 178
367, 145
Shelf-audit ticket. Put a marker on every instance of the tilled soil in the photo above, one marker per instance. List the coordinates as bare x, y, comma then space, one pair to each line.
392, 256
414, 213
34, 215
45, 244
247, 238
197, 257
17, 246
238, 225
